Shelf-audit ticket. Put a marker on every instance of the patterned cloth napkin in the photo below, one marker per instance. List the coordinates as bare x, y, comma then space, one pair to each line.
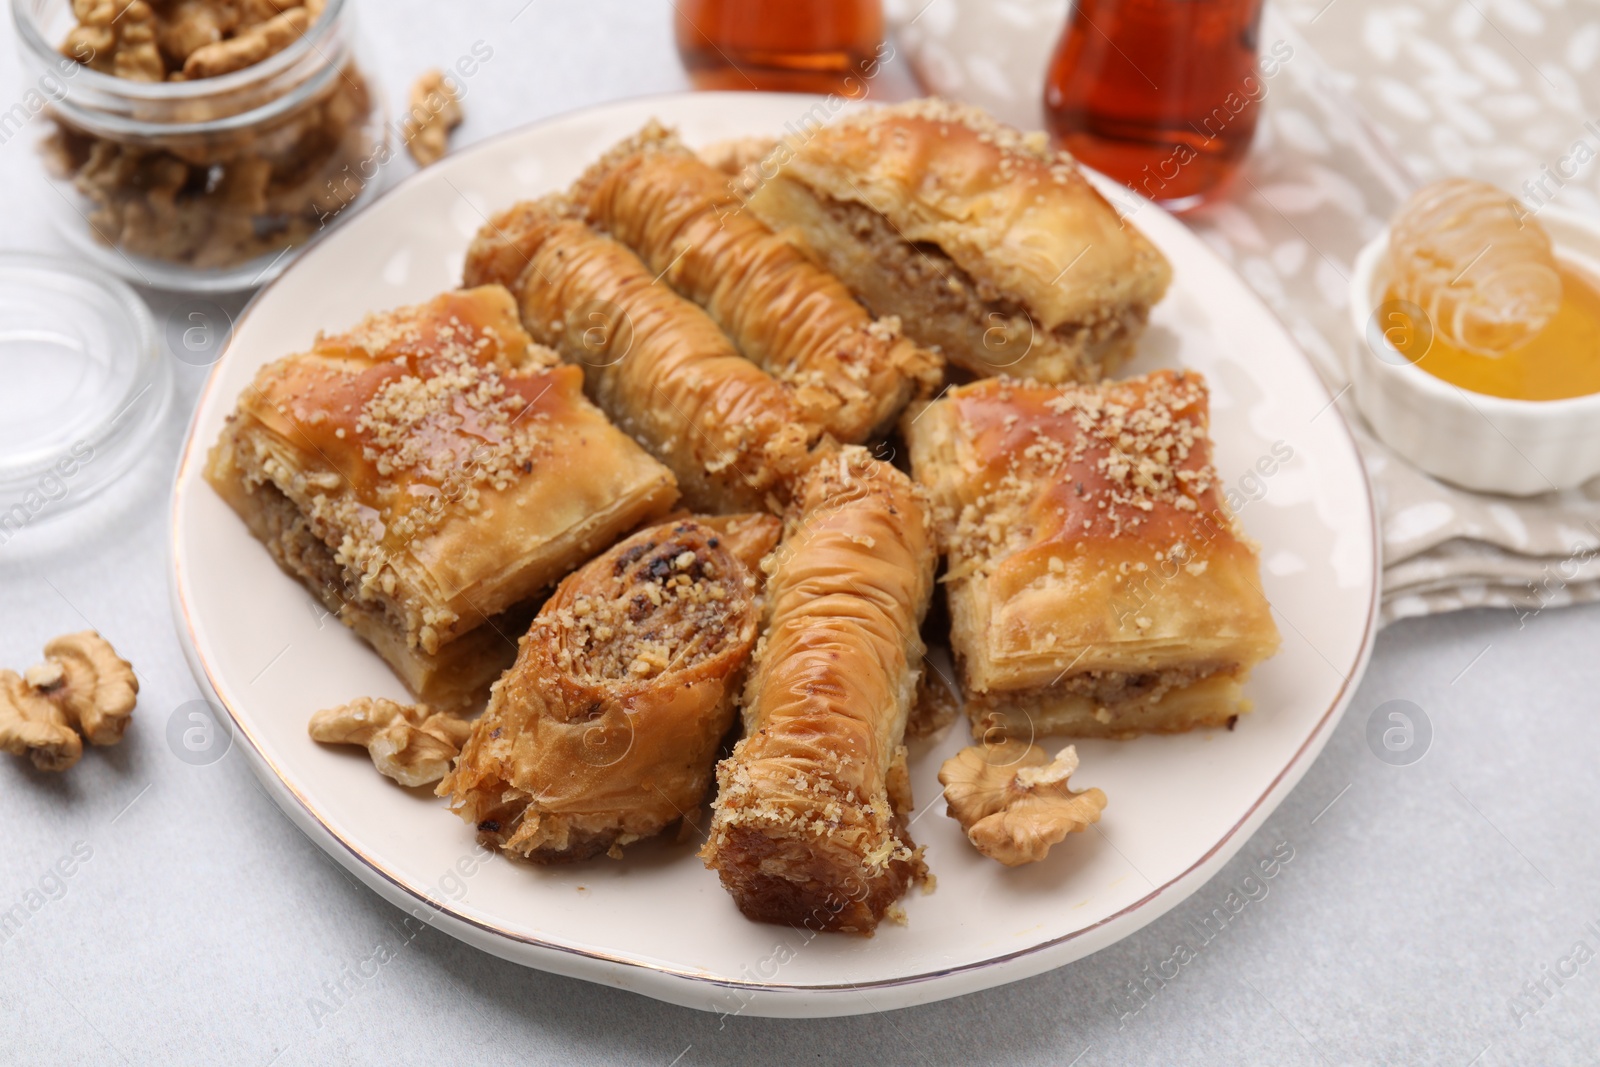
1372, 100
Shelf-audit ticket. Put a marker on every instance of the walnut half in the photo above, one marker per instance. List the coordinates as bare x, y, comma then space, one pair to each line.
1013, 800
435, 110
82, 686
410, 743
251, 44
95, 685
33, 725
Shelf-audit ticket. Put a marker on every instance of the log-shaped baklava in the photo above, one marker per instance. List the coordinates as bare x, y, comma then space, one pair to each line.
654, 361
425, 473
793, 318
1098, 584
808, 825
606, 729
984, 241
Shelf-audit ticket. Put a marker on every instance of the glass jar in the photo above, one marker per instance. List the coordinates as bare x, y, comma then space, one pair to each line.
87, 387
205, 184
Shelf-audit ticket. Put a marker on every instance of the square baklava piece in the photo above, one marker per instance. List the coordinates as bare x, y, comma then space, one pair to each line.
989, 245
1098, 585
428, 472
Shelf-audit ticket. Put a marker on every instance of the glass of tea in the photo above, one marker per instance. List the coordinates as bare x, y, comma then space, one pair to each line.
796, 46
1162, 95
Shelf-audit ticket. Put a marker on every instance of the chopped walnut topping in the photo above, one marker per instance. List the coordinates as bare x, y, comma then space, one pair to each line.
410, 743
1013, 800
1018, 149
452, 423
458, 394
1126, 451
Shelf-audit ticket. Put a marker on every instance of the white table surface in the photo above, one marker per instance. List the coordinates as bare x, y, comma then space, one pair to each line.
203, 928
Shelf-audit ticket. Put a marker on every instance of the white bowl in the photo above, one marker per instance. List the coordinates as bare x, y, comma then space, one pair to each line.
1484, 443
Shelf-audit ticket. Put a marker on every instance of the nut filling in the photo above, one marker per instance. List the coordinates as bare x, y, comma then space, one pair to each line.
667, 606
1116, 690
606, 729
950, 290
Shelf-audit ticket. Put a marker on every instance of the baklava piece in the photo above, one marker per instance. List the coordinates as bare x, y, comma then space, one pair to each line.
606, 730
654, 362
808, 828
425, 474
795, 320
984, 241
1098, 585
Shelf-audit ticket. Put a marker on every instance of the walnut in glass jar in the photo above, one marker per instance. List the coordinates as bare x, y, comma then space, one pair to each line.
203, 139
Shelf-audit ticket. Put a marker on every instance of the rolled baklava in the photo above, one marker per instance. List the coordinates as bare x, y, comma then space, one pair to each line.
808, 828
984, 241
427, 472
654, 362
606, 729
798, 322
1098, 584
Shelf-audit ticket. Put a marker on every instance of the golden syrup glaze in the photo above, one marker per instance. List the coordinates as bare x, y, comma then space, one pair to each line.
361, 401
1093, 470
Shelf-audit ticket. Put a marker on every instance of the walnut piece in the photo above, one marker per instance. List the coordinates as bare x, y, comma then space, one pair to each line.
180, 40
33, 725
435, 110
248, 47
116, 37
95, 686
225, 196
82, 686
1013, 800
410, 743
189, 25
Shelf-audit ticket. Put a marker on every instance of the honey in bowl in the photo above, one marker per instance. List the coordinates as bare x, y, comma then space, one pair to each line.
1506, 318
1561, 361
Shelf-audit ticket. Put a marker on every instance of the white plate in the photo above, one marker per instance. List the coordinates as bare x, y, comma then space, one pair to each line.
658, 922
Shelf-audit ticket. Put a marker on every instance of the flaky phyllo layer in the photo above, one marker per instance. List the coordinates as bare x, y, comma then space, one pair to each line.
808, 825
605, 730
421, 473
786, 314
985, 242
1097, 582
